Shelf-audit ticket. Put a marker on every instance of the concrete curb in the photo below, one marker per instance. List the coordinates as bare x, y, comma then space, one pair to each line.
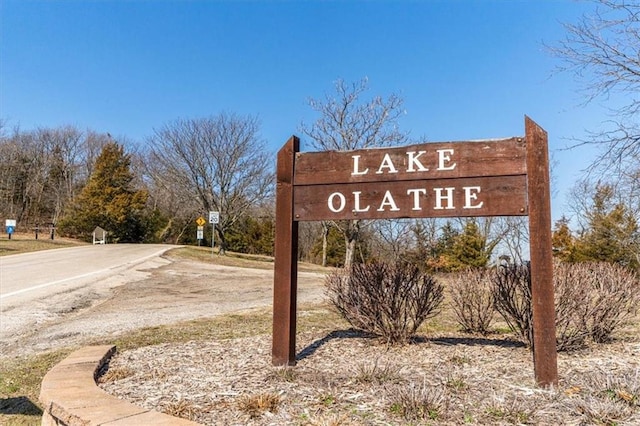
70, 396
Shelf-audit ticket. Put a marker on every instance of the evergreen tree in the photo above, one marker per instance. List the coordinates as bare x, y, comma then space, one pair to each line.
335, 248
563, 241
440, 257
252, 235
469, 248
611, 234
109, 200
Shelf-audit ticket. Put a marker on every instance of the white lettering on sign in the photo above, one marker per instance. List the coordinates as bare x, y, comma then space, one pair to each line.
388, 200
414, 163
415, 199
356, 171
471, 195
387, 164
418, 199
447, 198
444, 155
331, 202
356, 199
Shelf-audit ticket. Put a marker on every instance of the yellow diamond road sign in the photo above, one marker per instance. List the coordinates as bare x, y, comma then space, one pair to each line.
200, 221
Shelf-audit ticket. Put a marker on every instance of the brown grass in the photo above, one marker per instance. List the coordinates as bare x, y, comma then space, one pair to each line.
25, 243
240, 260
256, 405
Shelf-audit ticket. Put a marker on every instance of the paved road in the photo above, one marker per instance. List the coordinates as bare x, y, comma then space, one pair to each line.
40, 273
67, 297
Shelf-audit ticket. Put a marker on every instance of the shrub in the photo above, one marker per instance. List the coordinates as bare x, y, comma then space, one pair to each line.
614, 297
592, 300
571, 301
512, 295
391, 301
472, 299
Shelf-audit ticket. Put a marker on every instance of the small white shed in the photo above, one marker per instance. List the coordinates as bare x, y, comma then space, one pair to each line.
99, 236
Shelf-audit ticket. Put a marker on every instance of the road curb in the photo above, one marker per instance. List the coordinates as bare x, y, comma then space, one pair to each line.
70, 396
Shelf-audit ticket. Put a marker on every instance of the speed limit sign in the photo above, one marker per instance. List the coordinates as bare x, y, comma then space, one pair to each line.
214, 217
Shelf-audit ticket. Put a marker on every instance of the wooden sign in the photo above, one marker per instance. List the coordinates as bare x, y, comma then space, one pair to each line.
501, 157
501, 177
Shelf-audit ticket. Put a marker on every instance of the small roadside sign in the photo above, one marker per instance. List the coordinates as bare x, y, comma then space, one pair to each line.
214, 217
200, 221
200, 233
10, 225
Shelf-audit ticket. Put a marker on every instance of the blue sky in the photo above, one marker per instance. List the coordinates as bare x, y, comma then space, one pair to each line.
466, 69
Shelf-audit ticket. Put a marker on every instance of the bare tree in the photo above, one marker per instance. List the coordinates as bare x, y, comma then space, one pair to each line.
348, 122
220, 161
43, 170
394, 237
63, 146
515, 239
603, 51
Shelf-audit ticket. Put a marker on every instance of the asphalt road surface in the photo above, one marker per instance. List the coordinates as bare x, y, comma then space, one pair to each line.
71, 296
42, 287
35, 275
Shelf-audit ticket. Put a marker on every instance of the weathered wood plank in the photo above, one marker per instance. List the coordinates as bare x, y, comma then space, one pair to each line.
503, 157
484, 196
285, 277
542, 294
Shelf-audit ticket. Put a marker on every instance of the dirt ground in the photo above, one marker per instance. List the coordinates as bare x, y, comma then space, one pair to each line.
159, 291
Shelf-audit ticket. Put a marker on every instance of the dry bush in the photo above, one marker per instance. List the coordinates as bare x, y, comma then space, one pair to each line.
256, 405
592, 300
390, 301
512, 295
472, 299
615, 297
571, 301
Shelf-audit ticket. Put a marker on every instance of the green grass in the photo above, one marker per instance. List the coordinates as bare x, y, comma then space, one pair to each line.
20, 385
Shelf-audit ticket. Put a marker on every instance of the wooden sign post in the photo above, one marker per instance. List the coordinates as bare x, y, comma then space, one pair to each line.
506, 177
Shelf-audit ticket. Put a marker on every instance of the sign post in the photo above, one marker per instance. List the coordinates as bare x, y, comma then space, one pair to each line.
200, 231
500, 177
10, 225
544, 327
214, 219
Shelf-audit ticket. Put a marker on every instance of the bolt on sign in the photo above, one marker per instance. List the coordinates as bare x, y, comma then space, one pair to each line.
498, 177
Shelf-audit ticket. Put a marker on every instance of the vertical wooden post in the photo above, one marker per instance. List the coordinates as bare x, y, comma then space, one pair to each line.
285, 277
542, 295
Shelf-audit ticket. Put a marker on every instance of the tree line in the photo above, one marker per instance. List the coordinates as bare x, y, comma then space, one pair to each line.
153, 191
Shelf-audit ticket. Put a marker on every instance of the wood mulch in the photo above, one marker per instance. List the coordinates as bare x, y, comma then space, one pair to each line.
343, 377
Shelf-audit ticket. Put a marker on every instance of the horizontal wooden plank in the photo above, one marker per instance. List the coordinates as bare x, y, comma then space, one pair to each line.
464, 197
441, 160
